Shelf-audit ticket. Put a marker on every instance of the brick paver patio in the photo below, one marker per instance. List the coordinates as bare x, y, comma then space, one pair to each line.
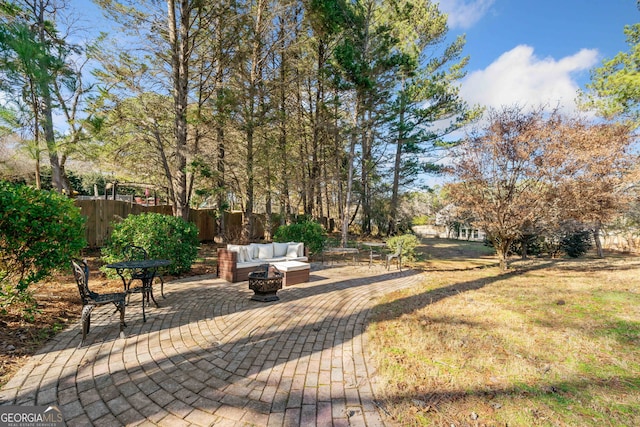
211, 356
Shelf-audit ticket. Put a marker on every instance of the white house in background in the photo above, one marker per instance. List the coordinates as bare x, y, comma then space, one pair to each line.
442, 229
470, 233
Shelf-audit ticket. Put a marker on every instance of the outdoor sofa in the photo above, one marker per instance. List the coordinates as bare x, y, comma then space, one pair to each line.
235, 262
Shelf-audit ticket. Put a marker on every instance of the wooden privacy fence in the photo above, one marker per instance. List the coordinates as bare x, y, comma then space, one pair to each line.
101, 213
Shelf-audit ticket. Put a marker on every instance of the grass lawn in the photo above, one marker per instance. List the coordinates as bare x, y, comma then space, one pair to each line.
548, 343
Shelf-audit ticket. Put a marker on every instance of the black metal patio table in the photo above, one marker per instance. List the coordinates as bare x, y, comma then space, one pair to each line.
145, 270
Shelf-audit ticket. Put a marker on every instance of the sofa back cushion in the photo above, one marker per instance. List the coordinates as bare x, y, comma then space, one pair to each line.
280, 249
252, 249
265, 250
247, 253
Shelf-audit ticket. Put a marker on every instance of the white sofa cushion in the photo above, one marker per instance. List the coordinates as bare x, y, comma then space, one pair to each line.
238, 250
298, 247
300, 258
254, 263
274, 259
292, 251
256, 253
265, 251
280, 249
252, 249
247, 253
292, 266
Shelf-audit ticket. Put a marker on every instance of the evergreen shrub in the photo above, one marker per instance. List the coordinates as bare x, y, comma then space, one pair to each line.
576, 244
40, 231
309, 232
409, 244
162, 236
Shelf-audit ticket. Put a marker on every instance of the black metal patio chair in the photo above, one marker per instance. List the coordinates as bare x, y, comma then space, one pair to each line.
92, 299
396, 255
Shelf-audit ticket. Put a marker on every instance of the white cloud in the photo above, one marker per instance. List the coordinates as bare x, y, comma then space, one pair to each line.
462, 13
518, 77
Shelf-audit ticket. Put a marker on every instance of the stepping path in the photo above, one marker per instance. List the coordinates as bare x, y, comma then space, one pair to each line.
212, 356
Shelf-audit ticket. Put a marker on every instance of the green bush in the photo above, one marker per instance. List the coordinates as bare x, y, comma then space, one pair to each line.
421, 220
576, 244
535, 246
409, 244
309, 232
39, 232
163, 237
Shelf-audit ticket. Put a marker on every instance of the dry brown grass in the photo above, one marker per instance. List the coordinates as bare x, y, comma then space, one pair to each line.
552, 342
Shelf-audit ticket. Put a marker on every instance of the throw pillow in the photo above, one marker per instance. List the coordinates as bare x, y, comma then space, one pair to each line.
299, 248
244, 250
253, 250
292, 251
237, 249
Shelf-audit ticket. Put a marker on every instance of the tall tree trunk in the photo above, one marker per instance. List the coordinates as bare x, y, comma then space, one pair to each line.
38, 178
268, 206
45, 104
179, 41
352, 150
393, 214
285, 204
221, 191
247, 224
253, 93
502, 249
367, 166
596, 237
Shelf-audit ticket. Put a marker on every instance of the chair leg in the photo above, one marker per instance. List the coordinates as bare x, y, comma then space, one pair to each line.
86, 322
120, 306
161, 286
391, 257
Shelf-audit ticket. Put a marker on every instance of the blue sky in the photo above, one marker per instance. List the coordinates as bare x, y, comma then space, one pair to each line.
536, 52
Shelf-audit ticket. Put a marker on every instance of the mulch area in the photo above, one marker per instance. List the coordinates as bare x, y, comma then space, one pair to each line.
58, 305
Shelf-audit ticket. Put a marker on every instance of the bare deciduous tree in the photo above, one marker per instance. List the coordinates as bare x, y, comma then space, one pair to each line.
530, 170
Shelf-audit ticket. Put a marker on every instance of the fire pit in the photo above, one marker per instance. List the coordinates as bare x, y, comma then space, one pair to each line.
265, 282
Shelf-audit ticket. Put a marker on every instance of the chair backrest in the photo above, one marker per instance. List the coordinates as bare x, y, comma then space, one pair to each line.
398, 251
134, 253
81, 274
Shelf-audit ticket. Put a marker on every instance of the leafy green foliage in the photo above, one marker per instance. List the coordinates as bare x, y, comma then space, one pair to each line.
528, 244
409, 244
614, 90
39, 232
309, 232
421, 220
162, 236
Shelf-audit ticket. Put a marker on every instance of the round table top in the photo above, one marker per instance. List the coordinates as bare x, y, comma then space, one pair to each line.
143, 263
376, 244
